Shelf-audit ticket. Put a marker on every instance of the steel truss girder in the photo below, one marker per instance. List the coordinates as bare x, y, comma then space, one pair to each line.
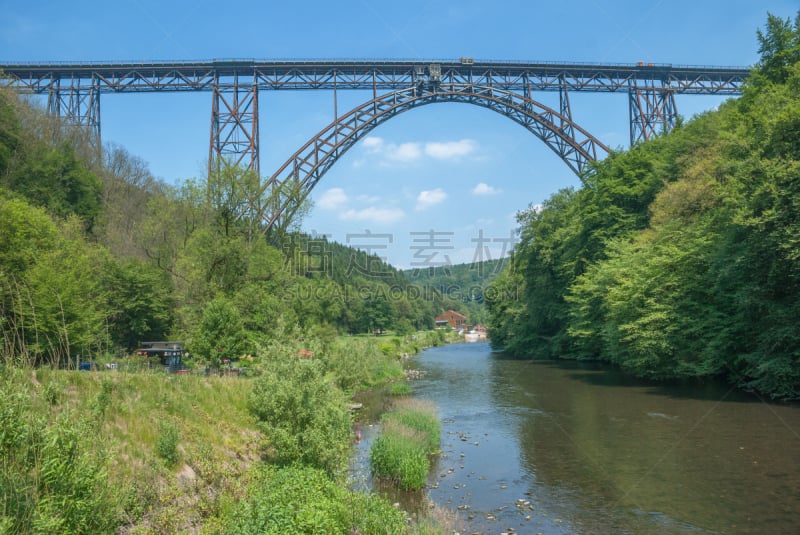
235, 109
234, 126
380, 75
76, 106
652, 112
306, 167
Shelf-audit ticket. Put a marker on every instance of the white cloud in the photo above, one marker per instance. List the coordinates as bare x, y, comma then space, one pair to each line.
374, 215
372, 143
427, 198
484, 189
412, 151
332, 199
446, 150
368, 198
404, 152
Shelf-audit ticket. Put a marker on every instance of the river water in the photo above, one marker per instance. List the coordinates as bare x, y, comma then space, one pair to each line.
563, 447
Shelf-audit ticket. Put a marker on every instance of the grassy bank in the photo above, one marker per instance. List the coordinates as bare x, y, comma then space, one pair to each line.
141, 453
146, 452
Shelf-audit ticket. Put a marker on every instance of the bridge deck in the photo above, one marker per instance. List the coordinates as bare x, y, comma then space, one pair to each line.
369, 75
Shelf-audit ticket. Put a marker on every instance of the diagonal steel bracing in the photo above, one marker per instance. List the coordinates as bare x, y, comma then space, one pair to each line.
298, 176
78, 106
234, 125
652, 110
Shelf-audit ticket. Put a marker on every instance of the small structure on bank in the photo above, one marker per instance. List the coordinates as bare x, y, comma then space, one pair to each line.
169, 354
454, 319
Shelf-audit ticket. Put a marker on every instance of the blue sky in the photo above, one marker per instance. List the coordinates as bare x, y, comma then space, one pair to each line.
457, 171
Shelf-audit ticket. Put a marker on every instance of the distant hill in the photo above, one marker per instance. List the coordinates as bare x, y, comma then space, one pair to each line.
461, 286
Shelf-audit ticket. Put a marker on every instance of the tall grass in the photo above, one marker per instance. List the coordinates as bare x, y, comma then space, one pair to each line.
419, 415
410, 434
54, 469
85, 452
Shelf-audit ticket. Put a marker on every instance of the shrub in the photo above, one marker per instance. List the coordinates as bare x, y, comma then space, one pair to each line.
167, 443
351, 361
301, 499
302, 414
387, 348
357, 363
220, 334
102, 401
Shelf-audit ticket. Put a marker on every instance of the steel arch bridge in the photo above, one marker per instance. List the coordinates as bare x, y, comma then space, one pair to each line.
73, 93
305, 168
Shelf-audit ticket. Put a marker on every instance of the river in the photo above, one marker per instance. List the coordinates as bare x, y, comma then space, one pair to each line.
562, 447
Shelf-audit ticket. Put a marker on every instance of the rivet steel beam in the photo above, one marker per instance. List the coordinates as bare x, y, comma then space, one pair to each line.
381, 75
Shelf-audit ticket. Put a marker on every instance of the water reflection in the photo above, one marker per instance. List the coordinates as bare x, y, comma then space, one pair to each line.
557, 447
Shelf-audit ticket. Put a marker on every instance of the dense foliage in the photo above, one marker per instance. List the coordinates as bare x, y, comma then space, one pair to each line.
302, 414
681, 256
97, 256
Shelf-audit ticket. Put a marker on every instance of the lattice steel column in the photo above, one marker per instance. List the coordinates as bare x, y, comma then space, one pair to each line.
234, 124
652, 110
564, 108
76, 107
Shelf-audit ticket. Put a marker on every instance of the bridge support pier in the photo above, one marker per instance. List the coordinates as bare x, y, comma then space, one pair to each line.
564, 109
234, 124
652, 111
76, 106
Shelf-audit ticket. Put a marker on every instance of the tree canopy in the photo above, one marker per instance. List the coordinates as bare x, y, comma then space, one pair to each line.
97, 256
681, 256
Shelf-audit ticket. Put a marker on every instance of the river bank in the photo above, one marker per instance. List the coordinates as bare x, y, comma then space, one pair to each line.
148, 452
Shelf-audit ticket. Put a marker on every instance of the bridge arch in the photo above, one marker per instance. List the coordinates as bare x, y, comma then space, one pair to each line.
304, 169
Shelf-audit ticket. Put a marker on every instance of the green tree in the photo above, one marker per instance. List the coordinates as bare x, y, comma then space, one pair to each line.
66, 299
139, 300
27, 233
219, 334
54, 178
779, 46
9, 131
235, 195
377, 314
